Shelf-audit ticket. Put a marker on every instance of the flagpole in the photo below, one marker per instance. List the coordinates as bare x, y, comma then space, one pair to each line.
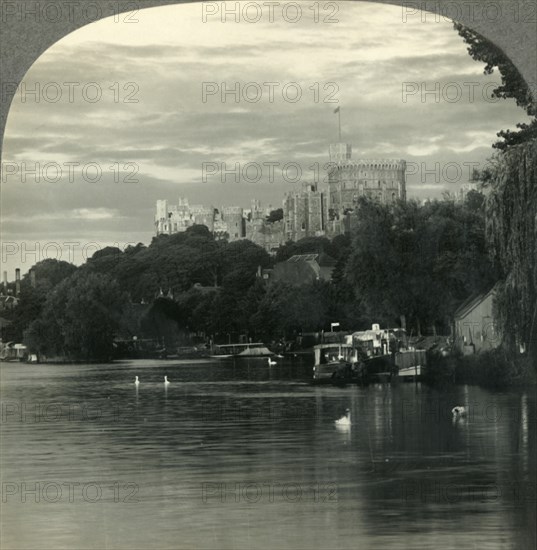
339, 123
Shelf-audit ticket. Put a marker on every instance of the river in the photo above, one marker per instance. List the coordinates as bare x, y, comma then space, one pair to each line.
246, 456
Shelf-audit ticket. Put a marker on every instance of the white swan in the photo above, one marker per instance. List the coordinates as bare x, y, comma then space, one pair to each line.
345, 420
166, 381
136, 381
458, 411
271, 362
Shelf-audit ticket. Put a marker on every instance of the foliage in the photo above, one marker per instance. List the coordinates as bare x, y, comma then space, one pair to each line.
79, 319
275, 215
513, 85
406, 259
48, 273
417, 263
512, 233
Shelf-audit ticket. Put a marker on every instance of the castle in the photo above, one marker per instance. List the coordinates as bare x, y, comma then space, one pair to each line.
309, 212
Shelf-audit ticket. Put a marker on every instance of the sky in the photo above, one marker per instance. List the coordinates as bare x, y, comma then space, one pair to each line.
122, 119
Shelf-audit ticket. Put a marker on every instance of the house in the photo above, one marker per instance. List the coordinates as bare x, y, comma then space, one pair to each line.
8, 302
302, 269
474, 327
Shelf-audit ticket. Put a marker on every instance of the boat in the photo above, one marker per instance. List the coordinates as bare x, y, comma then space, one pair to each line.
375, 355
337, 363
227, 351
13, 352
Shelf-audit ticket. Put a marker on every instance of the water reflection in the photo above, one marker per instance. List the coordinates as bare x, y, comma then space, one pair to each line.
249, 456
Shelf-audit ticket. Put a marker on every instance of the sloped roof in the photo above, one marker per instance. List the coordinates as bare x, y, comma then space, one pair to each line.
324, 260
303, 258
472, 302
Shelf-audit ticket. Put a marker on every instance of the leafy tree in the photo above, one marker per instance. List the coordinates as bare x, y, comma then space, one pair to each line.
512, 234
513, 85
511, 207
285, 310
475, 201
275, 215
240, 262
48, 273
79, 319
417, 263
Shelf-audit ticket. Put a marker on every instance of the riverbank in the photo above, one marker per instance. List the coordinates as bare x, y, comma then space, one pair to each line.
491, 369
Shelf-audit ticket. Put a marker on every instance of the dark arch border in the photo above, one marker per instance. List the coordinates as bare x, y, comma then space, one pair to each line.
23, 41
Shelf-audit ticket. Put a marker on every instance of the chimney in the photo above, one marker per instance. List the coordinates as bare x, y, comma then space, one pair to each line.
32, 278
5, 280
17, 281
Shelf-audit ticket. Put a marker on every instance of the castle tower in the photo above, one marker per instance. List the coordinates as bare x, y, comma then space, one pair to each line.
340, 152
383, 180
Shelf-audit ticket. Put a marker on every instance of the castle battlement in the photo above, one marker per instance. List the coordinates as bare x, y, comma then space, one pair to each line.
371, 165
312, 210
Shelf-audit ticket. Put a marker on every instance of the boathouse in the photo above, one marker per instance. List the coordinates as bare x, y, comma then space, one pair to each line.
474, 327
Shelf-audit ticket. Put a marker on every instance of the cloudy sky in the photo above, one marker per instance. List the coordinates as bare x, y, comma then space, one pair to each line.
151, 130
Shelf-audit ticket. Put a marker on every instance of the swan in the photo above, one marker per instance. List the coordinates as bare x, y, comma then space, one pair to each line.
136, 381
270, 361
345, 420
458, 411
166, 381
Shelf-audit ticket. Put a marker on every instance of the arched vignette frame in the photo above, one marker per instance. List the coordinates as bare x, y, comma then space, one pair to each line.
510, 24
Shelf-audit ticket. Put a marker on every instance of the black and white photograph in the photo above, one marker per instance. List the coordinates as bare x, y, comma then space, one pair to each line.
269, 275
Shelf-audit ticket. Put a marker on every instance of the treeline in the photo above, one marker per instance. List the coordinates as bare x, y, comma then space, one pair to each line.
404, 264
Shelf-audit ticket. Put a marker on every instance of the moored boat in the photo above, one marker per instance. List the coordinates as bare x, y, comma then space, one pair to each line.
337, 363
239, 351
375, 355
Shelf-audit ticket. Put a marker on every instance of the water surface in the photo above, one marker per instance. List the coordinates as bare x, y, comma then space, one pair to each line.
248, 456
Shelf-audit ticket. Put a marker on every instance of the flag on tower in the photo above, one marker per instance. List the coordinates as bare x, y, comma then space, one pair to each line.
336, 110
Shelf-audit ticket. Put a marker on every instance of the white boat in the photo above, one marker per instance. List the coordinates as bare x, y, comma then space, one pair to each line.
226, 351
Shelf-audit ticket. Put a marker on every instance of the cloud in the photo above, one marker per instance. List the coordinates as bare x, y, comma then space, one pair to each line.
151, 112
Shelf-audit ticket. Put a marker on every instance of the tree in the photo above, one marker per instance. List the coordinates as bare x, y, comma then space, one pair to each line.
511, 206
275, 215
513, 84
48, 274
475, 201
417, 263
79, 319
512, 235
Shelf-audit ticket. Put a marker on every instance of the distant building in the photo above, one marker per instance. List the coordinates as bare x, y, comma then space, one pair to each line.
348, 180
309, 212
8, 302
233, 220
270, 236
474, 325
302, 269
227, 222
305, 213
